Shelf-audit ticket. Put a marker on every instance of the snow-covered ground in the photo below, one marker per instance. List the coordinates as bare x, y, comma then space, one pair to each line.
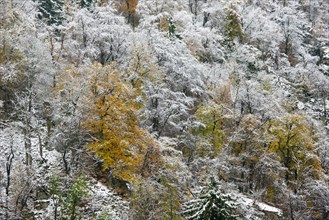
100, 200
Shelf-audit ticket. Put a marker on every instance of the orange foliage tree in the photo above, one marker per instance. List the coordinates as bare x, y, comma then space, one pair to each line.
126, 149
128, 9
128, 6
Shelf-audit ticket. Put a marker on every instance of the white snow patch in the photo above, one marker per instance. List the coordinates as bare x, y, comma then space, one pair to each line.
300, 105
327, 104
267, 208
262, 206
326, 53
105, 200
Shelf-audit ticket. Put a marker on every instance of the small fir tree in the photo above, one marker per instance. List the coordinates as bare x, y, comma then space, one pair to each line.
172, 29
233, 28
51, 11
86, 3
210, 205
76, 193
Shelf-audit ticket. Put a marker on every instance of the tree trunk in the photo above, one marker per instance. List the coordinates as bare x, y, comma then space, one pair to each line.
66, 165
28, 127
8, 168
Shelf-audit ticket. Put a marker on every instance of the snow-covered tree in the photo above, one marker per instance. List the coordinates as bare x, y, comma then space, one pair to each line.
165, 94
86, 3
210, 204
51, 11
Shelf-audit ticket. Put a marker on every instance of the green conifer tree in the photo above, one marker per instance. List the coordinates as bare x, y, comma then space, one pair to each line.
51, 11
86, 3
233, 28
210, 205
172, 29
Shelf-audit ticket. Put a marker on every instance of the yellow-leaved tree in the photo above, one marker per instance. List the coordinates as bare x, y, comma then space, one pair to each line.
211, 132
216, 121
292, 139
126, 149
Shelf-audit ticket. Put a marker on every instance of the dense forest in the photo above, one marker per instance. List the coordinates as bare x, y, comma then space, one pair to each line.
164, 109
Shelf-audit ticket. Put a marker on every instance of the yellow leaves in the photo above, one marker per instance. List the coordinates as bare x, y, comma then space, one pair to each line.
271, 194
117, 155
127, 6
58, 88
68, 81
211, 130
292, 139
109, 113
164, 24
292, 131
112, 120
10, 54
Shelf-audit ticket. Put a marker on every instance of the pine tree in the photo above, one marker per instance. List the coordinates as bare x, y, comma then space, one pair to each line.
51, 11
233, 28
210, 205
86, 3
172, 29
76, 193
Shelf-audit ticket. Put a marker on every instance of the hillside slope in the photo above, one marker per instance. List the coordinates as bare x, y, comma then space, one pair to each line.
153, 109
